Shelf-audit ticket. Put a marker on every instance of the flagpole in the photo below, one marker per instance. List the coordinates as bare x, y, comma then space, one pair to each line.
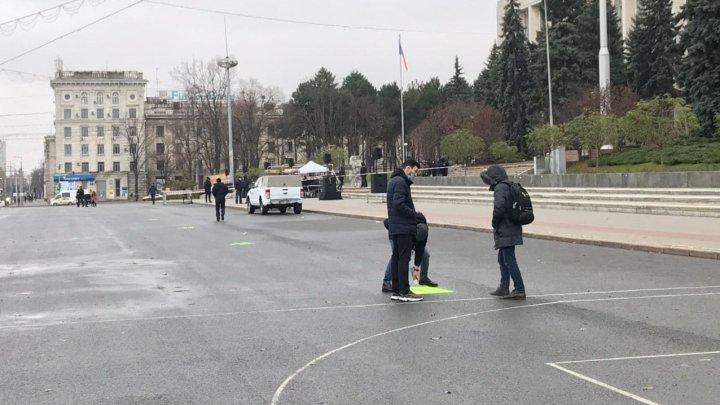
402, 109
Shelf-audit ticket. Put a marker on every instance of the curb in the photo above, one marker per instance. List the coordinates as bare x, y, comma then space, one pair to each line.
704, 254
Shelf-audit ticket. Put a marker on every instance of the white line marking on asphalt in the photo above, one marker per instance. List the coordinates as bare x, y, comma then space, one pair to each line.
604, 385
314, 361
357, 306
656, 356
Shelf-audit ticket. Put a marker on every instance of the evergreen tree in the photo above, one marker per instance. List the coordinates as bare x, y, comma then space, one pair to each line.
588, 29
653, 53
486, 86
700, 68
515, 83
458, 87
567, 77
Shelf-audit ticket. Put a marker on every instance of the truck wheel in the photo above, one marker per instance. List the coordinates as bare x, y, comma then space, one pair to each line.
250, 208
297, 209
263, 209
283, 210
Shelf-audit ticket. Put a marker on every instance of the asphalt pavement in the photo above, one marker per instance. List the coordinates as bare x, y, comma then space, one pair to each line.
142, 304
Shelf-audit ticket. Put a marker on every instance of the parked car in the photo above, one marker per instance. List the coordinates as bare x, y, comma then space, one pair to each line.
276, 192
64, 198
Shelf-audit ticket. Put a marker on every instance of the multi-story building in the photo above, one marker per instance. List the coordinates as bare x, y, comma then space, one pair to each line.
533, 18
98, 115
3, 154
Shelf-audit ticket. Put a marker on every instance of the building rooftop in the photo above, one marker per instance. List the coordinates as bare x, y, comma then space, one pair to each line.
85, 75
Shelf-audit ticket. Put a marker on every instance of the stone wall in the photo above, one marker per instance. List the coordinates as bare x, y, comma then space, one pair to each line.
613, 180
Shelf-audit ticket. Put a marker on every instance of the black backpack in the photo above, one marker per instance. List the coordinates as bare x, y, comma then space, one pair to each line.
521, 212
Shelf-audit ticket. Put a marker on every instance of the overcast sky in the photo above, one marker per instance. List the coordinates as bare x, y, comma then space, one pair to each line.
150, 37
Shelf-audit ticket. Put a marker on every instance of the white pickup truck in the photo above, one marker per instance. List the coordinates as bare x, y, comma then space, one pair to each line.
276, 192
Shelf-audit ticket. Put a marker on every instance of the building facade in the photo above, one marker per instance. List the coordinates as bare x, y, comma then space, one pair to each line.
533, 18
3, 154
98, 114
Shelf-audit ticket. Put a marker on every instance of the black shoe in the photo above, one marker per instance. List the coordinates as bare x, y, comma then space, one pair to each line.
501, 292
426, 281
515, 295
387, 288
218, 219
410, 297
223, 218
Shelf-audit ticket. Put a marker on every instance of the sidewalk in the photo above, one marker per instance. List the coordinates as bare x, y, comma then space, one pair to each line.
676, 235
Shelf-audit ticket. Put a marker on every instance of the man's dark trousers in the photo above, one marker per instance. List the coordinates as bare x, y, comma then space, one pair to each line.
219, 209
402, 249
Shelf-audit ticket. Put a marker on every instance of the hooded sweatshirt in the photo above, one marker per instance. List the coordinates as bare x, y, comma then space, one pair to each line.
505, 232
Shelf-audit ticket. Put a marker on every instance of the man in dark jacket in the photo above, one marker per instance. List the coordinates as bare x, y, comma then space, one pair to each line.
208, 186
219, 191
341, 177
239, 186
402, 226
80, 197
507, 234
152, 192
363, 175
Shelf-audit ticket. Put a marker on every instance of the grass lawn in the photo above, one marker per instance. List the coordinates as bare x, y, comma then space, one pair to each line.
585, 167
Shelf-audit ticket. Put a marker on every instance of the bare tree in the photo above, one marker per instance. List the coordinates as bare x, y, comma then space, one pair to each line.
135, 139
255, 112
206, 86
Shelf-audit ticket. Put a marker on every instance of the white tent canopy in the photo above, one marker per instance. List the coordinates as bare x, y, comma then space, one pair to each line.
312, 167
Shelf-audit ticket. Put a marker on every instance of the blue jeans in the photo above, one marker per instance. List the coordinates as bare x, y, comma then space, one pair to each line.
509, 269
424, 266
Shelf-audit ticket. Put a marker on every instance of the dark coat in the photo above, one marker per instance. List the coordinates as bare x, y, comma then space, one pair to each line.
402, 218
153, 190
219, 191
207, 185
505, 232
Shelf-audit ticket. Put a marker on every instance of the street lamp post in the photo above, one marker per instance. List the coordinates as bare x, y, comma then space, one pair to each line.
228, 63
604, 58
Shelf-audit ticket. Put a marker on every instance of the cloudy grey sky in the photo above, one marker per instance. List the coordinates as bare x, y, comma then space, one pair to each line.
151, 37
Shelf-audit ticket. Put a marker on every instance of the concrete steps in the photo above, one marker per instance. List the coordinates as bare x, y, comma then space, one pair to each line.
685, 202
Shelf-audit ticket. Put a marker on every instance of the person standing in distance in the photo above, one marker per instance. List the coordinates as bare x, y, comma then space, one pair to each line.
152, 191
507, 234
219, 191
208, 186
402, 227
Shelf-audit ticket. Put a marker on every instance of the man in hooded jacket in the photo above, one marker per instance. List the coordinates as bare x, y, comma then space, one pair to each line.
402, 227
507, 234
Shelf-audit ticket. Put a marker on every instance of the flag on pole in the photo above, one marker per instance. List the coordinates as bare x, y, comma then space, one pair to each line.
402, 54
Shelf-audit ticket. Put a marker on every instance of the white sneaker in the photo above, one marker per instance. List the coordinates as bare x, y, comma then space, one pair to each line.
410, 297
395, 296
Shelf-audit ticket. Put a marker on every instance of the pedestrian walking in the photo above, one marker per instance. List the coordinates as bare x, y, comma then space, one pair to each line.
219, 191
363, 175
208, 186
507, 234
152, 192
93, 198
80, 197
402, 227
239, 186
341, 177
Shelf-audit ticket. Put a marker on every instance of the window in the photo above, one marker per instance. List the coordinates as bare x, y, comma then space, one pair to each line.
132, 166
160, 131
133, 148
85, 149
116, 166
68, 150
133, 113
116, 131
84, 132
160, 148
116, 149
68, 167
83, 99
100, 114
161, 165
115, 99
84, 113
271, 147
99, 99
68, 132
101, 167
85, 167
116, 113
100, 131
132, 131
101, 149
289, 146
67, 114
